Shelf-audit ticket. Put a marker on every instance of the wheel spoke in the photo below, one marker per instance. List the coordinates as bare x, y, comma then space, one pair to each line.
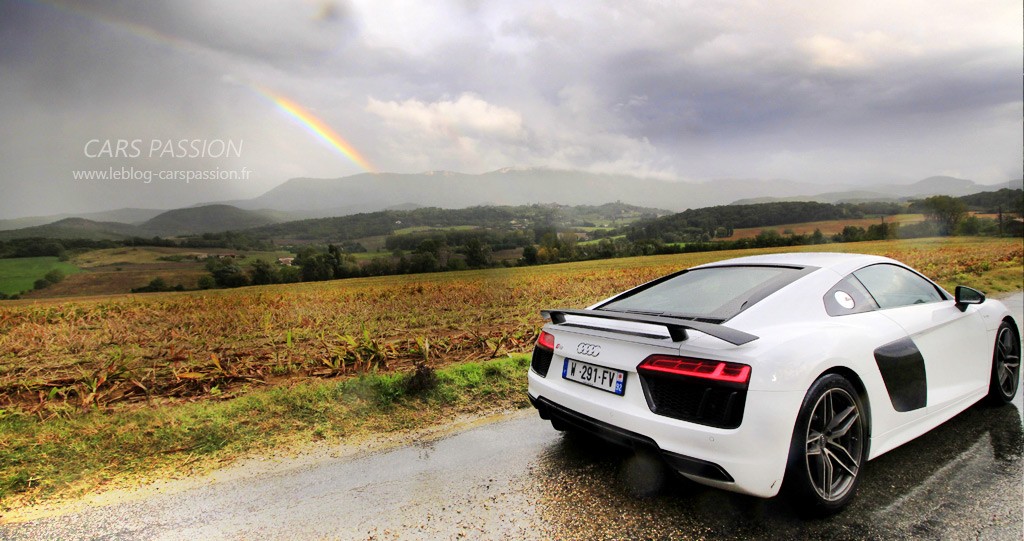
813, 443
1006, 340
826, 477
841, 424
1005, 376
842, 456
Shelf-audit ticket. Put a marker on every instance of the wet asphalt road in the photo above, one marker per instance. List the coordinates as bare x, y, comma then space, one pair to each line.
516, 478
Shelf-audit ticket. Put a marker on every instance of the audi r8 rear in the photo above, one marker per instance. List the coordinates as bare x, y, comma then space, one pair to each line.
792, 369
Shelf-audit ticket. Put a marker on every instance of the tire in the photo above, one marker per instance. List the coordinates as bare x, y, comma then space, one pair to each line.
1005, 377
829, 447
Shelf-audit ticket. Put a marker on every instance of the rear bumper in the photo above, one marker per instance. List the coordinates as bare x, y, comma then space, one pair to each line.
683, 464
750, 459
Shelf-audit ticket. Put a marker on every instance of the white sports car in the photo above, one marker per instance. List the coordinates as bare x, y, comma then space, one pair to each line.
779, 370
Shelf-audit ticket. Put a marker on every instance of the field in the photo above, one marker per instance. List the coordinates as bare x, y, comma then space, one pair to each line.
17, 275
57, 358
169, 375
827, 227
119, 270
147, 255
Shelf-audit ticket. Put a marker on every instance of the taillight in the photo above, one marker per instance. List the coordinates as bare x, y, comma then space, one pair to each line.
546, 340
698, 368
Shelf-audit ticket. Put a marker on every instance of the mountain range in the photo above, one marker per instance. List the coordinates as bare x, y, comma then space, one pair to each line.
302, 198
512, 186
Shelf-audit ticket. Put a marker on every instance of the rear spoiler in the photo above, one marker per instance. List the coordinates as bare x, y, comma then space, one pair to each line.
676, 326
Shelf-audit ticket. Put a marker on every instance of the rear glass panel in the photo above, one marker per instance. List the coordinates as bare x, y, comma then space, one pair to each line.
711, 293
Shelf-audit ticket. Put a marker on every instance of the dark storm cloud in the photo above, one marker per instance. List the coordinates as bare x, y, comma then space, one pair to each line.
676, 89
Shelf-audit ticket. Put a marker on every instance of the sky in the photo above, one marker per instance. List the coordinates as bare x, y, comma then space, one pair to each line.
192, 101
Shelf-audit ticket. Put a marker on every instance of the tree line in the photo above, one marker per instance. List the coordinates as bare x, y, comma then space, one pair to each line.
695, 230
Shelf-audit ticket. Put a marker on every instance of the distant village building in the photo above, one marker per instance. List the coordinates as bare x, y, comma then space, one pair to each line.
286, 261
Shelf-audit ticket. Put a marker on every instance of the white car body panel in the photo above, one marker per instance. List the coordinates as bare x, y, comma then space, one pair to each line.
798, 341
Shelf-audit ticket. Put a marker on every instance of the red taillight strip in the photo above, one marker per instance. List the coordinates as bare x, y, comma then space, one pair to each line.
546, 340
698, 368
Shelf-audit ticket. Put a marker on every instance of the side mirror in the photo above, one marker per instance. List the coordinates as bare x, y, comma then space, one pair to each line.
966, 296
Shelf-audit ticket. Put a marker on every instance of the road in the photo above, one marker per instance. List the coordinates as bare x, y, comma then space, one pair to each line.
515, 478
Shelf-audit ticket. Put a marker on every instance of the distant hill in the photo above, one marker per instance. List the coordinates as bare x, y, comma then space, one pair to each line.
695, 222
208, 219
890, 192
507, 218
708, 220
1005, 200
852, 196
318, 197
75, 228
506, 187
124, 216
186, 221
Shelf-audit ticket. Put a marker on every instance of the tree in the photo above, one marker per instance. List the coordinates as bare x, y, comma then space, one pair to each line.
478, 254
226, 273
290, 274
883, 231
851, 233
423, 262
530, 254
55, 276
318, 267
262, 272
946, 211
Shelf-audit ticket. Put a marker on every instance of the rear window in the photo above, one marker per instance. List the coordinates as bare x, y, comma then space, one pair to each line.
711, 294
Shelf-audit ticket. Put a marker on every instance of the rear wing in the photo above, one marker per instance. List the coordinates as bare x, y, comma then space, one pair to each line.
676, 326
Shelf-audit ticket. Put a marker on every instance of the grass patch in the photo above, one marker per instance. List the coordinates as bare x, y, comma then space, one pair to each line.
19, 274
66, 456
827, 227
366, 256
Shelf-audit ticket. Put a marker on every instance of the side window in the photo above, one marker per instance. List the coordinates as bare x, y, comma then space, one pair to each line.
893, 286
848, 297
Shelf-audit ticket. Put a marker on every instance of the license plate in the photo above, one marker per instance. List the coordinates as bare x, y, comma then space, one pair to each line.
606, 379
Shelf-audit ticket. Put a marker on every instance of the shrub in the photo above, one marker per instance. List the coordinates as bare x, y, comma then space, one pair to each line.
422, 379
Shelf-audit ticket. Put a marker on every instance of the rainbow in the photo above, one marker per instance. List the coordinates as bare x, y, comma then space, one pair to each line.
148, 33
318, 128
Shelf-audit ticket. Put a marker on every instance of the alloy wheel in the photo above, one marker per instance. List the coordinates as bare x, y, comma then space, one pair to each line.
1007, 363
834, 444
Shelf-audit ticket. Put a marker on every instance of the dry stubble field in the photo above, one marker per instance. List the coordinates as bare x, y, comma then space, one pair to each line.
58, 358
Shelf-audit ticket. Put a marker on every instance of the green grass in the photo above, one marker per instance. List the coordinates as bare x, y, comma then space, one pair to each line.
366, 256
65, 456
19, 274
422, 228
595, 241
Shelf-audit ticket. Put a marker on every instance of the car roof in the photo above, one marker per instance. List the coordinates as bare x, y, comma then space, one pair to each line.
841, 263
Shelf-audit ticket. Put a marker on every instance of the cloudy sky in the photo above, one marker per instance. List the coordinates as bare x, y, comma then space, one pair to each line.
848, 92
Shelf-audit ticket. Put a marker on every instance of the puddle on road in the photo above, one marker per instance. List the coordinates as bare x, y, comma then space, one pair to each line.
961, 479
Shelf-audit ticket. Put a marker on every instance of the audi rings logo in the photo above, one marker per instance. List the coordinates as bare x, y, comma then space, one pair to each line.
589, 350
